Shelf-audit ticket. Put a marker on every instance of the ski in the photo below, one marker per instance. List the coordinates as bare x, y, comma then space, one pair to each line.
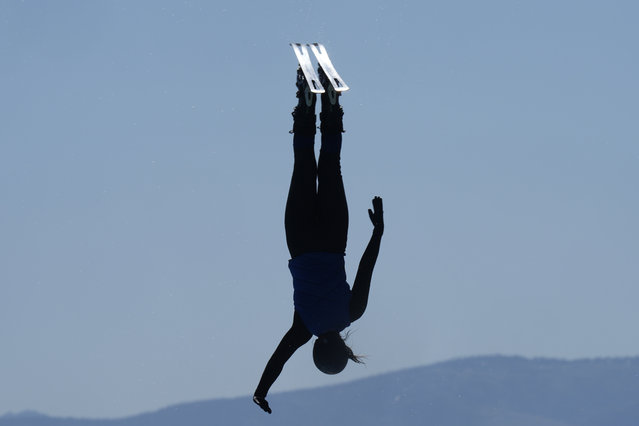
304, 59
325, 62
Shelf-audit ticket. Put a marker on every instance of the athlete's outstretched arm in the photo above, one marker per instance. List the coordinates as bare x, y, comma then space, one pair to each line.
362, 283
294, 338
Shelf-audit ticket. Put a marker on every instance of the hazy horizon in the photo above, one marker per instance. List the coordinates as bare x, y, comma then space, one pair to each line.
491, 390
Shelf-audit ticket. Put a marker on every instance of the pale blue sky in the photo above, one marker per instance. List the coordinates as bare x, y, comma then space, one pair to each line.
145, 159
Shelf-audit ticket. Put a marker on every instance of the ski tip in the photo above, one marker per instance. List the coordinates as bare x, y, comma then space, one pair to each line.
299, 47
317, 47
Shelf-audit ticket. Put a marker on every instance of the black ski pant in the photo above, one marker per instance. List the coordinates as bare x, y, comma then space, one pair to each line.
316, 217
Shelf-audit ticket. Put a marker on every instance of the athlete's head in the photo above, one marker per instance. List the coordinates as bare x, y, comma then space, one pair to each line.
331, 354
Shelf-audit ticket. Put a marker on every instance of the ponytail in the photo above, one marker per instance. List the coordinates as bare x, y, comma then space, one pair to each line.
355, 358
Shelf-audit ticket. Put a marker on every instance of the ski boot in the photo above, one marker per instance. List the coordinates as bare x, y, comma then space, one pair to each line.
304, 113
332, 112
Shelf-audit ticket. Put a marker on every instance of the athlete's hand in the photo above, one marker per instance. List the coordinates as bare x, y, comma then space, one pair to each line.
377, 214
261, 401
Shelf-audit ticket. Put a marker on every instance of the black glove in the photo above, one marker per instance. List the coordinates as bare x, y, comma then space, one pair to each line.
377, 214
261, 401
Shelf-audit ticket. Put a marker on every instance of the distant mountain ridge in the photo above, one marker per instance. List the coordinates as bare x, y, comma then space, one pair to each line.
488, 390
22, 414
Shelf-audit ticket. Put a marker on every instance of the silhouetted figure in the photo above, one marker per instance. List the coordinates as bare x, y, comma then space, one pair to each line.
316, 222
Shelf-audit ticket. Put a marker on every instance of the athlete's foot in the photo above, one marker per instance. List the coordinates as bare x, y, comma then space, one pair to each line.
306, 98
330, 97
332, 113
304, 113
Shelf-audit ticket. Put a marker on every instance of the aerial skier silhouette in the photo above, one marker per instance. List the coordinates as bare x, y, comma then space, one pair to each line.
316, 222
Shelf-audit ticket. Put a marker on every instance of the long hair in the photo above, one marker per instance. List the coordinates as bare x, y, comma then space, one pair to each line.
355, 358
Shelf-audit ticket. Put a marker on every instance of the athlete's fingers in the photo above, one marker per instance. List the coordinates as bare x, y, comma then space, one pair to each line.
378, 204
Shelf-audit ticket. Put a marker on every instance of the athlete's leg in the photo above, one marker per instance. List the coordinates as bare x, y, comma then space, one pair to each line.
300, 218
333, 209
